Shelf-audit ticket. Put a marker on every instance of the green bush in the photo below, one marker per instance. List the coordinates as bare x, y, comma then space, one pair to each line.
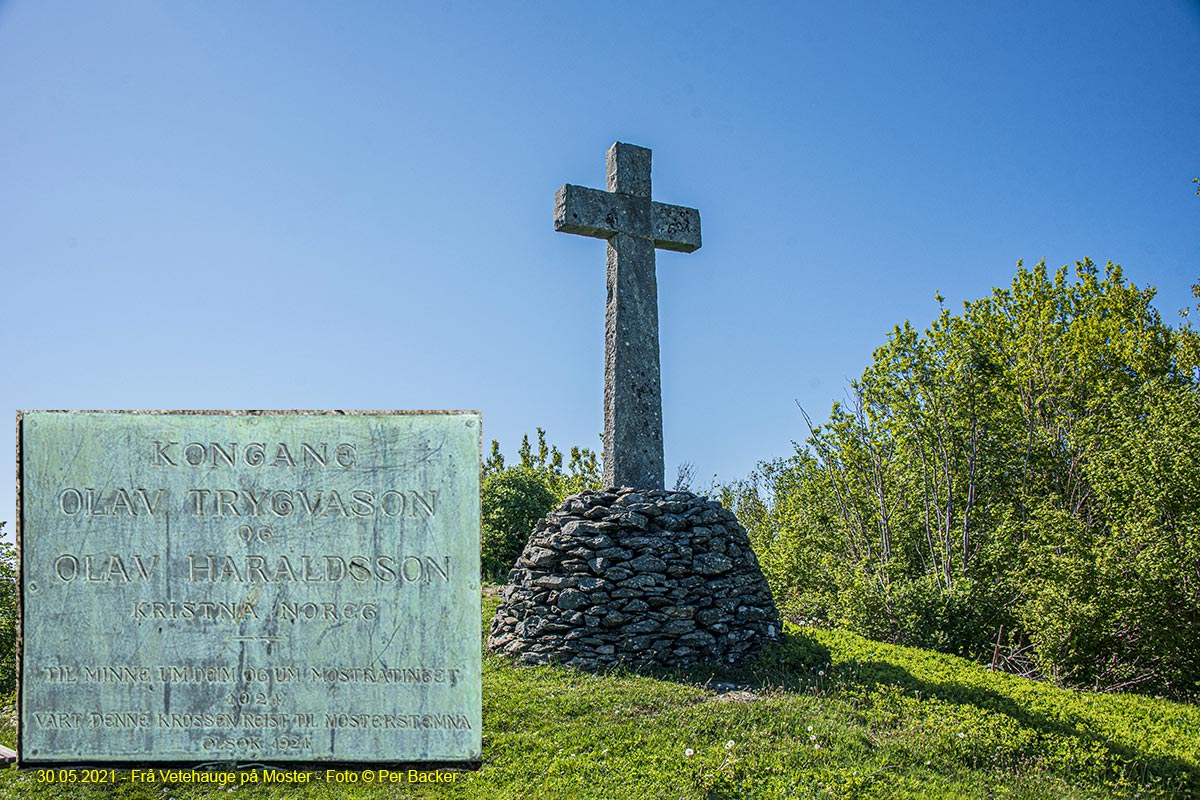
8, 616
513, 501
1017, 484
514, 498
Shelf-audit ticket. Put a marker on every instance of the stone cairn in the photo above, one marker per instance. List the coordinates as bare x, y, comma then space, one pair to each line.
637, 578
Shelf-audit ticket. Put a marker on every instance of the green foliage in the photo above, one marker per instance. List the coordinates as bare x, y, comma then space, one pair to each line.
513, 501
841, 717
8, 616
1017, 484
514, 498
582, 472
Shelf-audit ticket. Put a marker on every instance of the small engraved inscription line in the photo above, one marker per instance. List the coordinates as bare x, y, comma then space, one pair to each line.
215, 568
392, 503
252, 454
92, 502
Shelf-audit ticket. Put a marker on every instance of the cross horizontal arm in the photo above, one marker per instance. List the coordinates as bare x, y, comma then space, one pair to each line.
594, 212
676, 228
602, 215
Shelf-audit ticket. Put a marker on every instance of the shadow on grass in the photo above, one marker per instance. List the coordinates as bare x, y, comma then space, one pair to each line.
801, 664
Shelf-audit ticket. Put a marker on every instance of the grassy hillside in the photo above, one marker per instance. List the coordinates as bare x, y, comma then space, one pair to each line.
825, 715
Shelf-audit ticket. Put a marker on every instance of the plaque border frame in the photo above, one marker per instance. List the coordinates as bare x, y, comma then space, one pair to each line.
307, 765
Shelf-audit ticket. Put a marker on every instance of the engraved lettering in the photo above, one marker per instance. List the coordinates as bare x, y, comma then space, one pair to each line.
190, 674
432, 566
104, 503
205, 610
63, 674
335, 502
399, 721
199, 498
142, 568
282, 454
118, 720
428, 504
151, 508
93, 568
161, 458
89, 496
229, 570
121, 501
383, 675
309, 575
345, 455
281, 504
385, 568
200, 565
222, 453
256, 454
397, 503
70, 502
116, 674
309, 505
225, 502
307, 451
335, 568
201, 571
284, 568
296, 612
59, 721
409, 574
116, 567
364, 502
255, 502
194, 454
256, 565
213, 568
66, 567
359, 569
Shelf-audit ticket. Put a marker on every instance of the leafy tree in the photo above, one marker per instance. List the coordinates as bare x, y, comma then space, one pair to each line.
1014, 484
582, 472
513, 501
514, 498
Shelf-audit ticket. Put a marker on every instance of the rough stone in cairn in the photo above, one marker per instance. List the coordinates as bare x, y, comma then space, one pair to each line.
639, 578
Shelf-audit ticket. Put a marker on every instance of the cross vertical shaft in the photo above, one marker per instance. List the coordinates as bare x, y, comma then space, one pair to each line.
633, 437
634, 226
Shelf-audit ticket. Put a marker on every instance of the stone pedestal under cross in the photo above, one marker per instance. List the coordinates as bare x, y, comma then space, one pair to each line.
634, 225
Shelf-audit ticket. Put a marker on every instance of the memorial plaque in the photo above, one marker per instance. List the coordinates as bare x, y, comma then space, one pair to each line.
252, 587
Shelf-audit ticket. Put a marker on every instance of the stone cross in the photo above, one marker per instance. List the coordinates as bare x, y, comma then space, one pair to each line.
634, 225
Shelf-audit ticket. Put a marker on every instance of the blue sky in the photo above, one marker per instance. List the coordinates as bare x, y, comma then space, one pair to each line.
319, 205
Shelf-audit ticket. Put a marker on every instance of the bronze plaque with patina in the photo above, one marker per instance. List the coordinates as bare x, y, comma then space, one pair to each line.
276, 588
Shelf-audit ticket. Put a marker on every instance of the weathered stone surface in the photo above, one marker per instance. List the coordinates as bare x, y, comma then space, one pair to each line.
666, 596
712, 563
634, 226
255, 587
570, 599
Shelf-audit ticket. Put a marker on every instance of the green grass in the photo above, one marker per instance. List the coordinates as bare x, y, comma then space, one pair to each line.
828, 715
